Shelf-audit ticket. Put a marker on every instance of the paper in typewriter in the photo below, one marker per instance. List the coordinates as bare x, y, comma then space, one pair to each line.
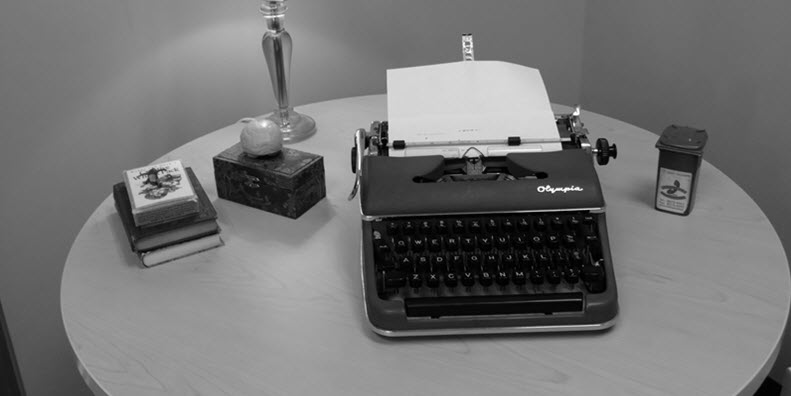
448, 108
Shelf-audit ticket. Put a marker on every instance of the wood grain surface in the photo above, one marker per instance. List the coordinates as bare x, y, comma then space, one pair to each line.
278, 309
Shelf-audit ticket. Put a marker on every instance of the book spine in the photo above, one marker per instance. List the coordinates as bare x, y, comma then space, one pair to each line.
181, 250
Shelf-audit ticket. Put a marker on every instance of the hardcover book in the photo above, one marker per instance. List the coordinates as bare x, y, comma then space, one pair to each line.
142, 239
160, 193
179, 250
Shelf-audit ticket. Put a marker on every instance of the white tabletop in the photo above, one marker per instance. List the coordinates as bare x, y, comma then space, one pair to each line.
278, 309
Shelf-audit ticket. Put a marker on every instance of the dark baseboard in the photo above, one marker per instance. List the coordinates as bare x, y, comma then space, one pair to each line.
10, 381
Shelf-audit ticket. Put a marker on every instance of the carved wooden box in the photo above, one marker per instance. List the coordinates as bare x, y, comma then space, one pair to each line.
288, 184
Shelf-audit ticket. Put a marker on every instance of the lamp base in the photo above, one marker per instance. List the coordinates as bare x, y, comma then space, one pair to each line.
297, 128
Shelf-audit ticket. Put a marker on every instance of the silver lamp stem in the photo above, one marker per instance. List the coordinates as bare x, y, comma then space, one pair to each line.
277, 51
277, 45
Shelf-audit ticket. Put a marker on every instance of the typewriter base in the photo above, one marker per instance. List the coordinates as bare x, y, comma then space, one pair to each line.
487, 330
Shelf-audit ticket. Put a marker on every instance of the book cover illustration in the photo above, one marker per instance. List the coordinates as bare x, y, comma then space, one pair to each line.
160, 193
158, 184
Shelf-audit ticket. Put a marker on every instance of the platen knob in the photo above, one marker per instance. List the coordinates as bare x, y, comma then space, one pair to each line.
605, 151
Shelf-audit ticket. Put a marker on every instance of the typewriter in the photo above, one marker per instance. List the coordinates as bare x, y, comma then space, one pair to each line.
501, 241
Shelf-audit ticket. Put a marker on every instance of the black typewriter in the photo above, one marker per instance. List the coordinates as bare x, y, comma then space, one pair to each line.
498, 244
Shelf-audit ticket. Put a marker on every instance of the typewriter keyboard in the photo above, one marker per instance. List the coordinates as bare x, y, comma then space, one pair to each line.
489, 265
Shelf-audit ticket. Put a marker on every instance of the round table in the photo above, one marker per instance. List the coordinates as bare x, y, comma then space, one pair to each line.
278, 309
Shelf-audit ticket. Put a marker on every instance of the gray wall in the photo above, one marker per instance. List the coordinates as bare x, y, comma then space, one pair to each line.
91, 87
718, 65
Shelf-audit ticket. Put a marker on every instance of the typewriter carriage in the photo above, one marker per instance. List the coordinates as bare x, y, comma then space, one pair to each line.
474, 166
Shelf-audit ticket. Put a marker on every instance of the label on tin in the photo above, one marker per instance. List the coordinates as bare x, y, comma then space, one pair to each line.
673, 189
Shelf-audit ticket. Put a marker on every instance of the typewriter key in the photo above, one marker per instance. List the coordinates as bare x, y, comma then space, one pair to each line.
451, 280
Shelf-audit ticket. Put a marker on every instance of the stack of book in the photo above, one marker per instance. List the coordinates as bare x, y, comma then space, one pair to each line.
166, 213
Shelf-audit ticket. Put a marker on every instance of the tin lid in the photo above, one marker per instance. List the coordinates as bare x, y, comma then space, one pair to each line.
684, 139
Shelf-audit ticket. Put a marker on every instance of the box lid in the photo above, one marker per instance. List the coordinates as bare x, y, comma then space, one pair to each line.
683, 139
285, 169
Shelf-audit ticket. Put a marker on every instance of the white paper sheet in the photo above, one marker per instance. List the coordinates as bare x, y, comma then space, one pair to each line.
447, 108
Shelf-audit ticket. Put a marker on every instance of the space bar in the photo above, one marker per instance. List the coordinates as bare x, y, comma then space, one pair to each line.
493, 305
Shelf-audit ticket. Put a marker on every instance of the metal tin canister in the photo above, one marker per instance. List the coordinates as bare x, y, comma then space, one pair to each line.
680, 155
